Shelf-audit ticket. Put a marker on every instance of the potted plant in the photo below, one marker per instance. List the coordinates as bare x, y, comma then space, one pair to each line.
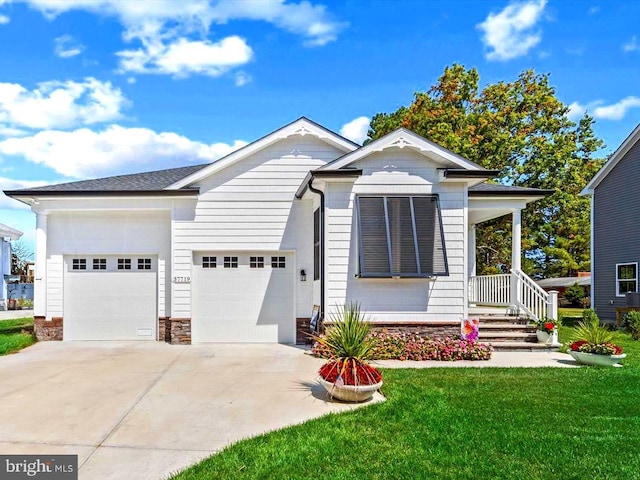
347, 375
547, 331
592, 343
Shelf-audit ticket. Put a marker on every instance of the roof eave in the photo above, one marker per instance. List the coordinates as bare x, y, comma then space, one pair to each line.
186, 192
342, 173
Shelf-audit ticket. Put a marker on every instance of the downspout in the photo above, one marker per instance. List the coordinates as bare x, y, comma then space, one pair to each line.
321, 259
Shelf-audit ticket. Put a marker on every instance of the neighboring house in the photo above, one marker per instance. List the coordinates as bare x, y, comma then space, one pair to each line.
241, 249
615, 230
7, 235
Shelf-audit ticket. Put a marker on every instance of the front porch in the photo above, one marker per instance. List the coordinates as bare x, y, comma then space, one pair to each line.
513, 295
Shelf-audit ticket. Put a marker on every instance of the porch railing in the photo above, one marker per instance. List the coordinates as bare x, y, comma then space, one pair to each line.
513, 289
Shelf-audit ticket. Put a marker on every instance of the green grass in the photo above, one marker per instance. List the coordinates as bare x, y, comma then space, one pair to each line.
11, 337
570, 311
464, 423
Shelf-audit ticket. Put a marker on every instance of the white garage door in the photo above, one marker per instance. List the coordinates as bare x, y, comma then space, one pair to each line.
110, 298
243, 297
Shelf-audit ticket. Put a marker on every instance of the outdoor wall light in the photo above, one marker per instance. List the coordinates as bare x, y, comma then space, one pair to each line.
303, 276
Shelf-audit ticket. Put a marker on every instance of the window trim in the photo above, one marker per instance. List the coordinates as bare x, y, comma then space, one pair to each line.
418, 275
618, 280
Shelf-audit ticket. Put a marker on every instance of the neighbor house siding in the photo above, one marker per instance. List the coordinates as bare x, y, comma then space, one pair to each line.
87, 234
251, 206
395, 172
616, 230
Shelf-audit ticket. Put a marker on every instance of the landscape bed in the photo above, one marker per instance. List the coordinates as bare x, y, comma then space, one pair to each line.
521, 423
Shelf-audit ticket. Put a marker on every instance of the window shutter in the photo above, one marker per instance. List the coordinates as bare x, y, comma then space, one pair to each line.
403, 248
374, 246
433, 260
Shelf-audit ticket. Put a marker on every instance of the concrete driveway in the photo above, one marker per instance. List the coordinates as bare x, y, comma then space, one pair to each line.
146, 410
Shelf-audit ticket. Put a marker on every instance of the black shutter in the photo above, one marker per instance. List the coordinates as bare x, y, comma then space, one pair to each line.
374, 246
403, 248
433, 259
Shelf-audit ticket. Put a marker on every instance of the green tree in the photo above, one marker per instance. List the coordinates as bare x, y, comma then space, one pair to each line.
523, 130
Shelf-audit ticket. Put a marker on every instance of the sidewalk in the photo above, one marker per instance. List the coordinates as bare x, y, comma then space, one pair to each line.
9, 314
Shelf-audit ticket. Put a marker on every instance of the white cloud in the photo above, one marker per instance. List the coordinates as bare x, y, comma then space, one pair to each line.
510, 33
60, 104
174, 35
599, 111
184, 57
4, 19
356, 130
242, 79
85, 153
66, 46
632, 45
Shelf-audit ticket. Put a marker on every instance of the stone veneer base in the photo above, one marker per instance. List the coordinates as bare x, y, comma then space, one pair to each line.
46, 330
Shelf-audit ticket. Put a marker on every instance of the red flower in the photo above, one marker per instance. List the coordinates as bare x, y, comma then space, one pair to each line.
351, 372
549, 326
576, 345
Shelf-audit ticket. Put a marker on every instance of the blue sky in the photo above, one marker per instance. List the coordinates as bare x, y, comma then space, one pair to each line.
92, 88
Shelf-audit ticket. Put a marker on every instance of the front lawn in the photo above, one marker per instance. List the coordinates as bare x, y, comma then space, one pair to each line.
12, 337
462, 423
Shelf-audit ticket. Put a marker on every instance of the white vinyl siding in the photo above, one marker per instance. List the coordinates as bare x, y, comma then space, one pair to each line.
395, 172
626, 278
251, 206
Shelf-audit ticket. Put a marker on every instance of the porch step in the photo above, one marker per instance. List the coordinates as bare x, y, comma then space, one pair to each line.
504, 336
497, 326
485, 319
513, 346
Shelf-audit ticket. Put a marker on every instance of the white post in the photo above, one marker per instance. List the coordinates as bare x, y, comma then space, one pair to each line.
40, 280
516, 255
472, 250
552, 308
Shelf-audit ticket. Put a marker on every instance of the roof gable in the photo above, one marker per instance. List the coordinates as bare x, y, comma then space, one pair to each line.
614, 159
303, 126
403, 138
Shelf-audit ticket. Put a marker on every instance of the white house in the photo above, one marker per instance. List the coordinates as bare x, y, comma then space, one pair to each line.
241, 249
7, 235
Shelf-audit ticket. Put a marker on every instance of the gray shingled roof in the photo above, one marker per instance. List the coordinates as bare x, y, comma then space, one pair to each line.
148, 181
496, 189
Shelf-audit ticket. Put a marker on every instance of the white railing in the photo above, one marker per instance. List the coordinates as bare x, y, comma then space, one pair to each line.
492, 290
516, 289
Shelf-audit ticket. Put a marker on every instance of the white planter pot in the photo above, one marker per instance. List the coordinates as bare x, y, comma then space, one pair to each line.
594, 359
350, 393
547, 338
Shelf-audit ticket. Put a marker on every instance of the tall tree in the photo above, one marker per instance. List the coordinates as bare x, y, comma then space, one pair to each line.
21, 256
523, 130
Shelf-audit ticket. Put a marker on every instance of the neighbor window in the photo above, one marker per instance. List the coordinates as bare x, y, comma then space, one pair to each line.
256, 262
79, 264
99, 263
230, 262
316, 244
626, 278
144, 264
124, 264
401, 237
278, 262
209, 262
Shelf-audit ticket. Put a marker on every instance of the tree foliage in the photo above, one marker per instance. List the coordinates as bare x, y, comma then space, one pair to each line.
523, 130
21, 256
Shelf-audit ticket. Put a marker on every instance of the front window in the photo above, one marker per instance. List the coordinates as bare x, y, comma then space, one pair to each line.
401, 237
626, 278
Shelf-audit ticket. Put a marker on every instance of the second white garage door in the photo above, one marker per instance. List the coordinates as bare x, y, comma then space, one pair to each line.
243, 297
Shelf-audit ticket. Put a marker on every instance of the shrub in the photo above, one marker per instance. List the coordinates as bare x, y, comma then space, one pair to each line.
632, 324
585, 302
574, 294
590, 330
405, 346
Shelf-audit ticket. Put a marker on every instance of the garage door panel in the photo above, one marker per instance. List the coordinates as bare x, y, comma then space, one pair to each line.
243, 304
110, 305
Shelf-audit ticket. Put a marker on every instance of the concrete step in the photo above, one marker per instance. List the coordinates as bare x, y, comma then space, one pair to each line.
502, 319
497, 326
514, 346
507, 336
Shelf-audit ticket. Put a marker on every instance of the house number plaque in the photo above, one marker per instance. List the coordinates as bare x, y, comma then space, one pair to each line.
181, 279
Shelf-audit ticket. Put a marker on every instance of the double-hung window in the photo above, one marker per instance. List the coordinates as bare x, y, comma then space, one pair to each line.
401, 236
626, 278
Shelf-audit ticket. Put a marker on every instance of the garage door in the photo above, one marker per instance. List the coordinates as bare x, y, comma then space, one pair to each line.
110, 298
243, 297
